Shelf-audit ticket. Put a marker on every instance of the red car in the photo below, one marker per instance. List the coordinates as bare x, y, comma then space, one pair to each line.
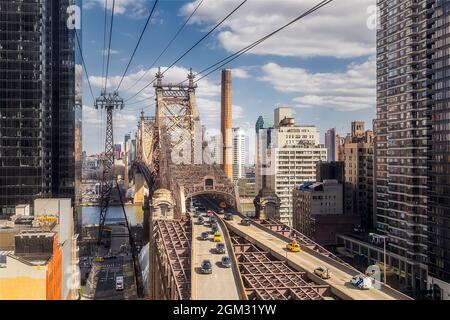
210, 213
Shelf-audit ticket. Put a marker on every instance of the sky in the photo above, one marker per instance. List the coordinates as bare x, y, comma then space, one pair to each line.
323, 66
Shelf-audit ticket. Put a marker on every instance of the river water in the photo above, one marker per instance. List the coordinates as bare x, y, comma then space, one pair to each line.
91, 215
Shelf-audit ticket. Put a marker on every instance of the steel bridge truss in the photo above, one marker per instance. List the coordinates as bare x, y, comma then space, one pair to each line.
173, 242
177, 118
303, 240
266, 278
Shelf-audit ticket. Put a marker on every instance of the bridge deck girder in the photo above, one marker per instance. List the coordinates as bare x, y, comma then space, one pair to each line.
176, 239
267, 278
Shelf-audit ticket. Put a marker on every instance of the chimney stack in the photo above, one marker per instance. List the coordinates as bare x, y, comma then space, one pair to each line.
227, 124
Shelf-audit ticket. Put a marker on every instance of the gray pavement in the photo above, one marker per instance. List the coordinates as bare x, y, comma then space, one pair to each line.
220, 285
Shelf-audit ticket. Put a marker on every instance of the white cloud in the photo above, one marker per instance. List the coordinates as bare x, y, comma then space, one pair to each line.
240, 73
338, 29
111, 52
136, 8
353, 89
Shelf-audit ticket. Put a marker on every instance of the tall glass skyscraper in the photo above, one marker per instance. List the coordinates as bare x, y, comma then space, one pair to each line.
38, 113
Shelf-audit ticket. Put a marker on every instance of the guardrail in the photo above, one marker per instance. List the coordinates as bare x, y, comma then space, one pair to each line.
235, 266
344, 267
193, 262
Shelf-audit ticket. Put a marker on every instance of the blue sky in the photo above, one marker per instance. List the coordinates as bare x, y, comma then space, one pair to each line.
323, 66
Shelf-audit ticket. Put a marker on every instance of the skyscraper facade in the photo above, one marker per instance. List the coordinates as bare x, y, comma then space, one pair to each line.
240, 153
39, 118
332, 144
402, 133
439, 164
357, 155
286, 157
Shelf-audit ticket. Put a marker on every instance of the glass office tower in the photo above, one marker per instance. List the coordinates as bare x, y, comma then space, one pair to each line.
37, 102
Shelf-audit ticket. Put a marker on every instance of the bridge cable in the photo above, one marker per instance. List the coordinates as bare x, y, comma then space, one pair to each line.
244, 50
109, 46
191, 48
239, 53
138, 43
104, 42
167, 46
84, 65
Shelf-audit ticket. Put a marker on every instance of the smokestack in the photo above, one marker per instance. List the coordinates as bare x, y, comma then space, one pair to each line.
227, 124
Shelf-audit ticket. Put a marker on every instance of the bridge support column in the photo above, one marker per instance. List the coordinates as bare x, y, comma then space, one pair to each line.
182, 200
139, 190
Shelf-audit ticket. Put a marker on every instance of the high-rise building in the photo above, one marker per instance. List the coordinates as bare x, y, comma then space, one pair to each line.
357, 155
286, 157
332, 144
214, 152
438, 228
281, 114
240, 153
40, 120
402, 130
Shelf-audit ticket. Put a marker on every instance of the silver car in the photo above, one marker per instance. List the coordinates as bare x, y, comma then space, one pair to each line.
226, 262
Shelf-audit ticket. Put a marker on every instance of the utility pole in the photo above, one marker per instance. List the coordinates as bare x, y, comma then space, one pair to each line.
109, 102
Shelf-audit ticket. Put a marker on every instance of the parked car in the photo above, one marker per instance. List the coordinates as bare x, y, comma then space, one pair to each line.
246, 222
226, 262
200, 221
220, 248
206, 267
214, 228
212, 220
322, 272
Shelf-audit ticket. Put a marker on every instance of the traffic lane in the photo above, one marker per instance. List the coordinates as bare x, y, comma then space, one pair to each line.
340, 279
220, 285
106, 283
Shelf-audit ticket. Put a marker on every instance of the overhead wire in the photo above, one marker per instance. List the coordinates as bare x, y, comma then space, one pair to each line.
244, 50
191, 48
109, 46
138, 43
167, 46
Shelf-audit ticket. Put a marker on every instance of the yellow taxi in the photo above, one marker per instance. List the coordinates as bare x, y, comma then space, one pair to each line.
293, 246
217, 237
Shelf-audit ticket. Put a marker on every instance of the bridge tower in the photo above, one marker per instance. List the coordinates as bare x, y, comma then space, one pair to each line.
177, 121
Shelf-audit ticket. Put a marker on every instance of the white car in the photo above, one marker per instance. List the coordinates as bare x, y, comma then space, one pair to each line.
119, 283
362, 282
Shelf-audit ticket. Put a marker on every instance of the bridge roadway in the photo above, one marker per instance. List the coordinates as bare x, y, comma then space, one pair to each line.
340, 280
221, 284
